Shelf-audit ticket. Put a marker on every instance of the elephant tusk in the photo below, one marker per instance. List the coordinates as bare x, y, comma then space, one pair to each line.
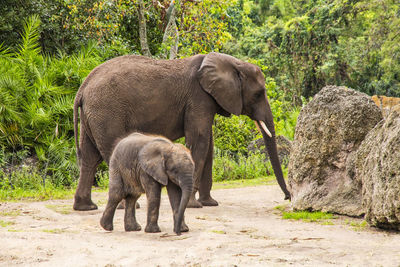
264, 127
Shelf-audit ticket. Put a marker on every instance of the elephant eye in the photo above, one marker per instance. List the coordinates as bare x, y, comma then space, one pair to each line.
174, 170
258, 94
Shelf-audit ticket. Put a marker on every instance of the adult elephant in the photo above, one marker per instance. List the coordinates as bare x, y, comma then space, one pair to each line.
174, 98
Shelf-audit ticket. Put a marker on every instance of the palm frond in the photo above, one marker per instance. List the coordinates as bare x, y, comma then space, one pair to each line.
8, 107
30, 38
5, 52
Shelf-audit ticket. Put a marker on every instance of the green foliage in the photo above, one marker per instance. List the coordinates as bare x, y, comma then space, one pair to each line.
37, 94
29, 183
302, 45
229, 167
309, 44
233, 134
202, 27
69, 24
102, 177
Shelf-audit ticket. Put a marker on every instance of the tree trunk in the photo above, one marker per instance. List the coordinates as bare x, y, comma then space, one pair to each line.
143, 31
171, 34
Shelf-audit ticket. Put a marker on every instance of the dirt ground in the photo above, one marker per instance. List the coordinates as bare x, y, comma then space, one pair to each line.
245, 230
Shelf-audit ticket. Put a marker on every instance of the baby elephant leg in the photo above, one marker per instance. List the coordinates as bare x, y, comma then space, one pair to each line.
106, 220
114, 197
153, 193
175, 195
130, 218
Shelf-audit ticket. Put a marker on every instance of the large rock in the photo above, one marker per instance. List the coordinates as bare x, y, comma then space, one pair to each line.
377, 165
328, 130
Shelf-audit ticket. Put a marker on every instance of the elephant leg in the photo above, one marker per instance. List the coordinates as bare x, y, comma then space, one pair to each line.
206, 179
90, 159
175, 195
198, 143
153, 194
114, 197
130, 217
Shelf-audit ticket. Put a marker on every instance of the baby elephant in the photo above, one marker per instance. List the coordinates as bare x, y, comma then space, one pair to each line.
143, 164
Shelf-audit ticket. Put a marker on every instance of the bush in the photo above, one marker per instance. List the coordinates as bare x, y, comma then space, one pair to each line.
21, 178
233, 167
36, 99
232, 135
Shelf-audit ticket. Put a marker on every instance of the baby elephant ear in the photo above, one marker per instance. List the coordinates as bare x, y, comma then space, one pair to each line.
151, 160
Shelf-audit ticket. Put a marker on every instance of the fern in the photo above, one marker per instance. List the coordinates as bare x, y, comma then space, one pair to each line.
30, 39
36, 98
10, 114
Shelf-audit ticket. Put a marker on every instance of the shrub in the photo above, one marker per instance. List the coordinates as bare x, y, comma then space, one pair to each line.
36, 99
237, 166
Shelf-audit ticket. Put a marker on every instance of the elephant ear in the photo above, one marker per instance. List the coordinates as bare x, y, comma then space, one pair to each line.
151, 160
219, 76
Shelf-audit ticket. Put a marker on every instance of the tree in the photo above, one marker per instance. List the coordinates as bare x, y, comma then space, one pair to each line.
142, 30
171, 33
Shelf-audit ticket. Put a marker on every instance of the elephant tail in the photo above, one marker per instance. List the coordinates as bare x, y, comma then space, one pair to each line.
77, 104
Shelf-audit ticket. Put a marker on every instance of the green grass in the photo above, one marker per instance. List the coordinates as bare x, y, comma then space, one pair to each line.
323, 218
220, 232
20, 194
11, 213
62, 209
6, 223
357, 225
15, 230
54, 231
37, 192
316, 216
268, 180
281, 208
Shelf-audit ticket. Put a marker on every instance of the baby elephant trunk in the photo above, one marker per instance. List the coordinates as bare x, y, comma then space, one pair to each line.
186, 193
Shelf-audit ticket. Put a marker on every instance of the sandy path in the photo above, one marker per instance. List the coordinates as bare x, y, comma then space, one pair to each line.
245, 230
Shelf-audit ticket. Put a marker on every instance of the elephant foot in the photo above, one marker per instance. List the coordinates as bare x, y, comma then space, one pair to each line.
209, 201
106, 225
133, 227
152, 228
184, 227
84, 204
193, 203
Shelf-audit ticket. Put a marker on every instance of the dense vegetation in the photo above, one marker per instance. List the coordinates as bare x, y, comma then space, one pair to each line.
49, 47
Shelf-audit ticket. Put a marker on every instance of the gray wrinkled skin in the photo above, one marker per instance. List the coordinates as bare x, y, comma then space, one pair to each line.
144, 164
174, 98
377, 165
329, 130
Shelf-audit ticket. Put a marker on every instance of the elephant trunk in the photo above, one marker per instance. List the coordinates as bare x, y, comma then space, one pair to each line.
270, 144
186, 193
